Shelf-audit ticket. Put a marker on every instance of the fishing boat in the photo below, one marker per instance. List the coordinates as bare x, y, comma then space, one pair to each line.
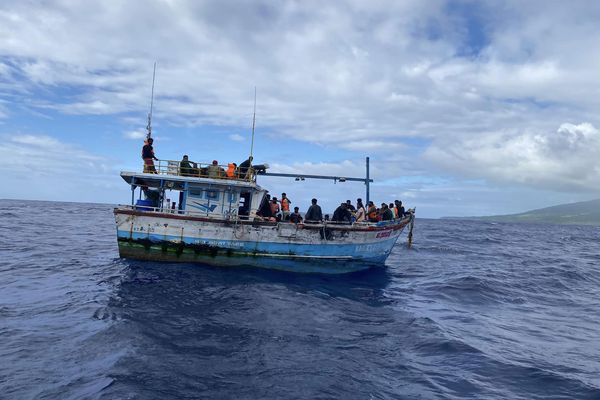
216, 221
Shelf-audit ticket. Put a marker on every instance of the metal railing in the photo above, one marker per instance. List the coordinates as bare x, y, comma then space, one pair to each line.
200, 170
233, 216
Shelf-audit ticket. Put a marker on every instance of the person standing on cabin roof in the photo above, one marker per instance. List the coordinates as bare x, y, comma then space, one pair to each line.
314, 213
244, 168
213, 170
185, 167
285, 207
231, 170
149, 157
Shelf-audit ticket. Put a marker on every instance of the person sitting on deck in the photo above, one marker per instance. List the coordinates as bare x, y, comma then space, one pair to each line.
372, 212
185, 167
386, 213
342, 214
149, 157
401, 211
213, 170
231, 170
394, 210
314, 213
295, 217
361, 214
245, 167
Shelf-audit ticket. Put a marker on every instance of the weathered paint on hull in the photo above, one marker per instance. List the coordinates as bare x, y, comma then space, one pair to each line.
225, 258
283, 246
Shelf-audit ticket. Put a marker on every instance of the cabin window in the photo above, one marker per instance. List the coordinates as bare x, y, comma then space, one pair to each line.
195, 192
231, 197
212, 195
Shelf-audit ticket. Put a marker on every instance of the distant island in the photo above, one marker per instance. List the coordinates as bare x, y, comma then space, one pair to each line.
582, 213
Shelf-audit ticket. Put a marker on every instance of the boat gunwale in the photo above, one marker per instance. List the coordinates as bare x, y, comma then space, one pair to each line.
353, 227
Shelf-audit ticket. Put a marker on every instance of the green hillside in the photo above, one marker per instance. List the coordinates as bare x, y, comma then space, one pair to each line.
582, 213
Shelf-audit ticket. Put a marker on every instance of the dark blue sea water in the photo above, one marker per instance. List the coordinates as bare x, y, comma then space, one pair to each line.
476, 310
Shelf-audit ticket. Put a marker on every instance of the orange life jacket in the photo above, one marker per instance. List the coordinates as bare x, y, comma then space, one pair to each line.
285, 204
230, 170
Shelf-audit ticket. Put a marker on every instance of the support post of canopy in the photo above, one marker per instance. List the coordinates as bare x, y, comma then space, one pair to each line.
367, 182
132, 191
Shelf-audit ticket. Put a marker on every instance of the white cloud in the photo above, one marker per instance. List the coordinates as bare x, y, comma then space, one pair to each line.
564, 160
139, 134
237, 137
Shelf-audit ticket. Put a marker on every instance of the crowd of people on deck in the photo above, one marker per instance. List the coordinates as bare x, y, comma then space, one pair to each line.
273, 209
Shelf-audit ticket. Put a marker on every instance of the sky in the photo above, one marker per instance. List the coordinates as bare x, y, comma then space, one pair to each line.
465, 108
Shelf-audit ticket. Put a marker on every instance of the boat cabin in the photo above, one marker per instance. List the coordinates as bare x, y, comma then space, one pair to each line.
170, 191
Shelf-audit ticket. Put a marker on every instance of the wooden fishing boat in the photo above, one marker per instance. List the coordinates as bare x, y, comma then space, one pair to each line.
216, 222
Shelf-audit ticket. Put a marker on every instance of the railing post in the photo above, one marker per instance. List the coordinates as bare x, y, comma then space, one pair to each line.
367, 182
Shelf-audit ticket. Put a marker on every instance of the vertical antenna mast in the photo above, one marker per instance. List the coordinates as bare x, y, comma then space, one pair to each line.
253, 123
149, 126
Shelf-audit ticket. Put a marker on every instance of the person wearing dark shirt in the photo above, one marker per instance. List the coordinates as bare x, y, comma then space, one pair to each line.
295, 217
314, 213
341, 214
400, 209
185, 167
149, 157
265, 209
386, 213
350, 207
245, 167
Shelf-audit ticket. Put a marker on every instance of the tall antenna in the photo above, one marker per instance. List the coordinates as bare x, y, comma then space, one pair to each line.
149, 126
253, 123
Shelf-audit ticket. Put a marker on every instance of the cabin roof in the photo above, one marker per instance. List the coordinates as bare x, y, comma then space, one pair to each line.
178, 182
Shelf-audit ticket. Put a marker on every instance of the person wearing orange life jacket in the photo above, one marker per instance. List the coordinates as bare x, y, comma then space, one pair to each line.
231, 170
285, 207
372, 212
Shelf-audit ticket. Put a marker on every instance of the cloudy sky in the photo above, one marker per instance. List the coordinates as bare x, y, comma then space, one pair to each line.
464, 107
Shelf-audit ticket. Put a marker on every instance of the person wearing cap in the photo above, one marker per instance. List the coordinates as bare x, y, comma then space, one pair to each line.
213, 170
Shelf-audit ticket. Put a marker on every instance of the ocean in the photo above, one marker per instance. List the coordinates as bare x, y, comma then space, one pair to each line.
475, 310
